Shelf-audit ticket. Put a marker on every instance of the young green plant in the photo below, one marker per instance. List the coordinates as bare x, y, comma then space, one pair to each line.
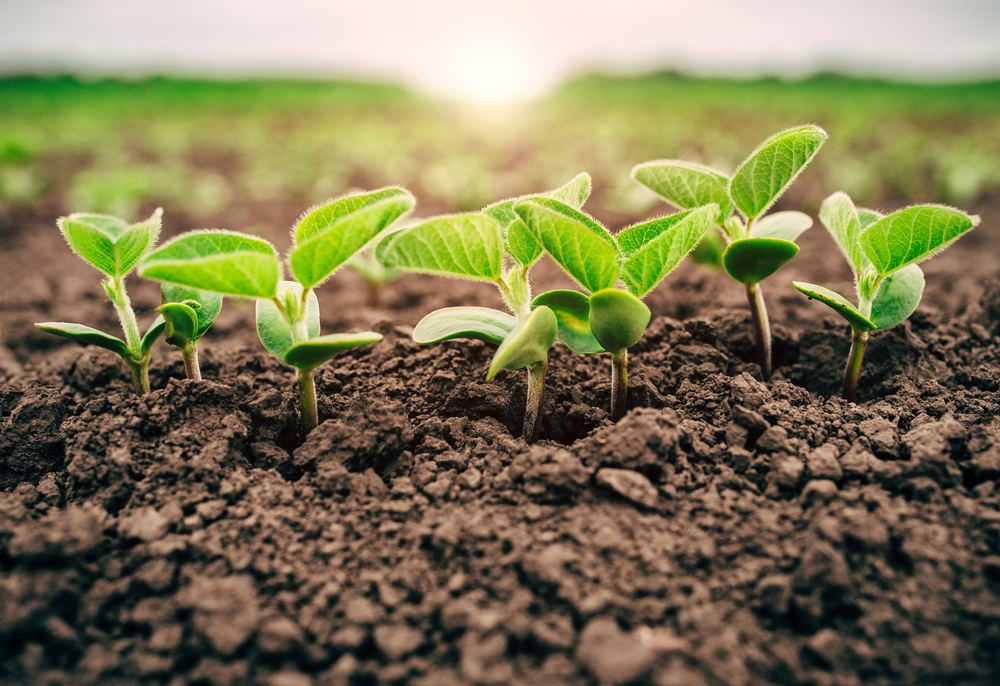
883, 253
473, 246
188, 313
758, 244
640, 256
375, 273
240, 265
114, 247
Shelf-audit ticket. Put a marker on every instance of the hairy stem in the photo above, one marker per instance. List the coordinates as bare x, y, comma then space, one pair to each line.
536, 400
307, 396
191, 367
859, 341
619, 384
761, 329
140, 374
126, 315
516, 294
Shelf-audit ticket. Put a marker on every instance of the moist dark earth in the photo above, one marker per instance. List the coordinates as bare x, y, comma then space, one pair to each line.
725, 532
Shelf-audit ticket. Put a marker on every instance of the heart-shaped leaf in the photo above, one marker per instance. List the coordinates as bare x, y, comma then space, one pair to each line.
653, 249
85, 334
181, 323
528, 343
110, 243
685, 185
751, 260
912, 235
154, 331
572, 310
274, 330
577, 243
466, 245
217, 261
480, 323
618, 319
772, 167
838, 303
898, 297
329, 235
210, 304
308, 355
787, 226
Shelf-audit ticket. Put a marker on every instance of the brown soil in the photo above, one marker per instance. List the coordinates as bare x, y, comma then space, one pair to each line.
724, 532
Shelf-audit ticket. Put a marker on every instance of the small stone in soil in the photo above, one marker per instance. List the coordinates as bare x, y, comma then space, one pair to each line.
628, 484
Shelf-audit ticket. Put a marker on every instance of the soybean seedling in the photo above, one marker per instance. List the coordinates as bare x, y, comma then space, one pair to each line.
473, 246
883, 253
234, 264
188, 314
114, 247
758, 245
640, 256
375, 273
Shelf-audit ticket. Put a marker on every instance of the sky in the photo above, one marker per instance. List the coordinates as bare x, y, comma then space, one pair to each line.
499, 50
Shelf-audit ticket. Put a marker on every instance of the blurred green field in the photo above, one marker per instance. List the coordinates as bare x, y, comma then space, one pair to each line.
201, 146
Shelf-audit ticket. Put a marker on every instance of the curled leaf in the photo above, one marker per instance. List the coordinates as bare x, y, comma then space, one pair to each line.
527, 343
481, 323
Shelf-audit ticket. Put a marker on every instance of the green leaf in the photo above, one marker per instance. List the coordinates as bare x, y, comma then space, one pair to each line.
152, 333
685, 185
527, 344
841, 220
85, 334
708, 252
868, 217
662, 244
480, 323
898, 297
308, 355
181, 323
465, 245
772, 167
912, 235
839, 303
575, 241
618, 319
787, 226
217, 261
572, 310
368, 266
210, 304
751, 260
274, 330
109, 243
328, 236
573, 193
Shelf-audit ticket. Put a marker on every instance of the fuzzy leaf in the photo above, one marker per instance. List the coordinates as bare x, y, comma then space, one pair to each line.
109, 243
618, 319
480, 323
217, 261
662, 244
572, 311
85, 334
272, 328
772, 167
898, 297
328, 236
754, 259
154, 331
464, 245
308, 355
838, 303
685, 185
574, 192
868, 217
210, 304
528, 343
181, 323
841, 220
575, 241
787, 226
912, 235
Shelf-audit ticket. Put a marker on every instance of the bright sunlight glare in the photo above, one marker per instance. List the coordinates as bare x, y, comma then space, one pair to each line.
487, 71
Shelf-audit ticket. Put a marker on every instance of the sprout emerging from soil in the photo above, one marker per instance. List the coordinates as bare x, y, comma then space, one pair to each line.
188, 313
473, 246
234, 264
758, 245
883, 253
641, 256
115, 248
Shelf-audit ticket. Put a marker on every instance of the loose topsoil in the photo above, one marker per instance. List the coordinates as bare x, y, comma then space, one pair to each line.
725, 532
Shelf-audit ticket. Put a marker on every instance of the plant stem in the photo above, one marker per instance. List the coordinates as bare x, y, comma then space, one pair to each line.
619, 384
140, 374
191, 367
375, 294
126, 315
859, 341
307, 397
761, 329
536, 400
